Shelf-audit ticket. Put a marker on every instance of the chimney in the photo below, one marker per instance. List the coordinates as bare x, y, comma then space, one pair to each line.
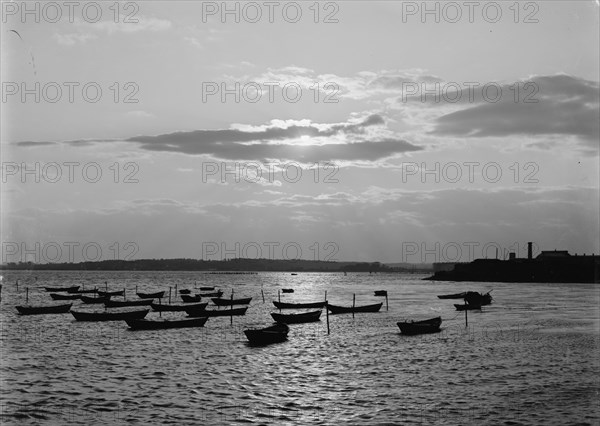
530, 250
512, 256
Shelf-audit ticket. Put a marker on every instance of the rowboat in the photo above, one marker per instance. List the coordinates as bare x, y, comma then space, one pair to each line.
380, 292
109, 316
344, 310
213, 294
297, 318
157, 295
275, 333
475, 298
190, 299
48, 309
216, 313
146, 324
58, 296
98, 300
287, 290
177, 308
185, 291
206, 288
229, 302
71, 289
467, 307
420, 327
311, 305
453, 296
111, 293
122, 303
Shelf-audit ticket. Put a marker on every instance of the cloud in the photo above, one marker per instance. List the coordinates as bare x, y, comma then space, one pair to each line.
134, 25
352, 141
566, 105
73, 38
139, 114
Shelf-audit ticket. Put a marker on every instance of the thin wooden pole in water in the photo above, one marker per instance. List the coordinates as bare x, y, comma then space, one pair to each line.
26, 294
17, 284
231, 307
325, 295
353, 303
466, 319
387, 307
169, 295
263, 294
327, 315
124, 294
160, 303
106, 285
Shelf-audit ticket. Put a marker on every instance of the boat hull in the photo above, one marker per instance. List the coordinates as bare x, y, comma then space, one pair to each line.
214, 313
274, 334
177, 308
56, 296
156, 295
297, 318
190, 299
412, 328
453, 296
467, 307
94, 300
40, 310
310, 305
144, 324
109, 316
357, 309
229, 302
71, 289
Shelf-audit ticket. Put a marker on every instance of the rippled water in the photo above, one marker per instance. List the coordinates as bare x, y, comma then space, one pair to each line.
529, 358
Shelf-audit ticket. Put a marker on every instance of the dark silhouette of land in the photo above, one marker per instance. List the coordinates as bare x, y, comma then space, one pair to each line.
549, 266
279, 265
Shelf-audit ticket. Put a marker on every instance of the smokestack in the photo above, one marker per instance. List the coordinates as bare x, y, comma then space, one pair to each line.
530, 250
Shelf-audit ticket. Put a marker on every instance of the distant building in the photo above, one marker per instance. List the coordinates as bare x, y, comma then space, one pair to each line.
549, 254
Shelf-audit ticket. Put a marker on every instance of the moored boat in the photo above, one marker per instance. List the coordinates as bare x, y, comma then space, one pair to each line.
475, 298
297, 318
273, 334
109, 316
229, 302
380, 292
190, 299
206, 288
349, 309
453, 296
310, 305
159, 307
216, 313
185, 291
146, 324
70, 289
58, 296
420, 327
467, 307
44, 309
287, 290
111, 293
92, 300
122, 303
156, 295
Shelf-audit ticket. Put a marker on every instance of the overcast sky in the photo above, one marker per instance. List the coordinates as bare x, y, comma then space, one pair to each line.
340, 115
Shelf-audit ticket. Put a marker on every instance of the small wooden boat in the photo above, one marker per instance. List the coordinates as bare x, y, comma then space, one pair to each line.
58, 296
206, 288
122, 303
380, 292
213, 294
71, 289
349, 309
475, 298
311, 305
274, 334
156, 295
293, 273
91, 300
44, 309
109, 316
229, 302
453, 296
158, 307
287, 290
94, 290
190, 299
467, 307
412, 328
111, 293
185, 291
297, 318
146, 324
216, 313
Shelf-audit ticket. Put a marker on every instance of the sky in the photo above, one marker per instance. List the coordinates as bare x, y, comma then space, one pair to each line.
351, 130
